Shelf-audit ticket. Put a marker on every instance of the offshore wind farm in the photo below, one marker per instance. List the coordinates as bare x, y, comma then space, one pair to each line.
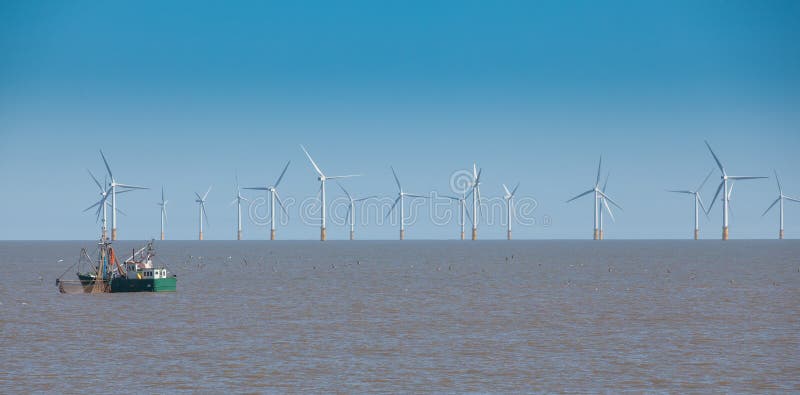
602, 202
394, 197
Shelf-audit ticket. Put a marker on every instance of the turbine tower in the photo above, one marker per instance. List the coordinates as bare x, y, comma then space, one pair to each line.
272, 190
238, 201
698, 204
726, 197
114, 185
780, 200
462, 203
597, 195
509, 197
400, 199
322, 178
476, 199
163, 205
351, 209
201, 203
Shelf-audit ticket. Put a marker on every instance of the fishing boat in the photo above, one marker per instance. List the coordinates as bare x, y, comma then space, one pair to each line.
105, 274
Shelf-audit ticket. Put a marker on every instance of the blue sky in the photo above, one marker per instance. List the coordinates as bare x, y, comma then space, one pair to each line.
186, 94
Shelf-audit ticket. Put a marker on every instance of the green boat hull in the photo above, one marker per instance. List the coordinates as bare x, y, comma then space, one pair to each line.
121, 284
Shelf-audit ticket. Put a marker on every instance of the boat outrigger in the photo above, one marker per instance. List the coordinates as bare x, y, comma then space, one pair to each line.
107, 274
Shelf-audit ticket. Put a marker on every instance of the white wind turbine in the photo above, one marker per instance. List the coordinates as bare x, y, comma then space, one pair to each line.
114, 185
351, 210
103, 203
238, 202
604, 201
201, 203
462, 203
400, 196
476, 199
163, 204
698, 203
780, 200
727, 196
273, 196
509, 197
597, 195
322, 178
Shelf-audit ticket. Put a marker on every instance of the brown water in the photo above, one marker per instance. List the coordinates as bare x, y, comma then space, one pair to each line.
523, 316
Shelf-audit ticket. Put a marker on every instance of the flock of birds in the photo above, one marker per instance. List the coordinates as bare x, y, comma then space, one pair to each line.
110, 188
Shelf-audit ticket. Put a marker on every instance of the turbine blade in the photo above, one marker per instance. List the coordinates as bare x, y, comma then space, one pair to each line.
780, 189
466, 211
599, 166
95, 180
131, 186
605, 183
605, 204
347, 176
744, 178
257, 188
206, 194
514, 191
581, 195
108, 168
365, 198
344, 190
396, 180
610, 200
199, 199
203, 208
680, 191
392, 209
280, 203
162, 195
714, 200
771, 206
508, 193
282, 173
347, 214
704, 180
416, 196
792, 199
312, 162
721, 168
93, 206
703, 206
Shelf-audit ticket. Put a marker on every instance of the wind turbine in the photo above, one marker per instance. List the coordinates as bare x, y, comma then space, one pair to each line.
476, 199
238, 201
103, 203
780, 199
601, 233
698, 203
273, 195
163, 205
201, 203
400, 196
322, 178
509, 205
351, 210
114, 185
462, 203
597, 195
726, 197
